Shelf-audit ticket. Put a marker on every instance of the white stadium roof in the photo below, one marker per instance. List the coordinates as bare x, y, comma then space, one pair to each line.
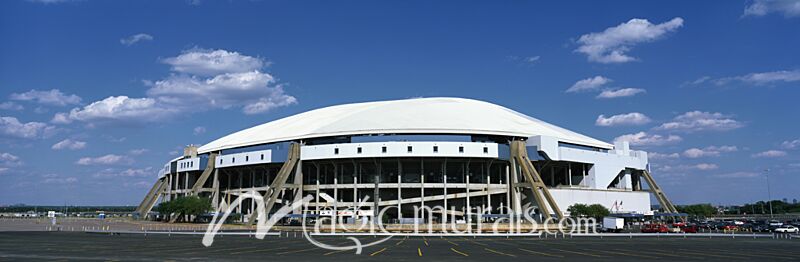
410, 116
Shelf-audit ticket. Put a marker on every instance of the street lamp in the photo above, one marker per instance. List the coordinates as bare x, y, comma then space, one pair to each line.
769, 193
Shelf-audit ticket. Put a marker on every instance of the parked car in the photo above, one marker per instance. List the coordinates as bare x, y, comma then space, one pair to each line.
775, 223
760, 228
787, 229
655, 228
730, 227
689, 228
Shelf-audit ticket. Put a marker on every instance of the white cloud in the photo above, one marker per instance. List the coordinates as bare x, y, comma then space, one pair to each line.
589, 84
128, 41
738, 175
655, 155
60, 180
701, 166
137, 152
11, 106
770, 154
622, 92
3, 170
47, 2
531, 59
52, 97
711, 151
268, 103
130, 172
763, 78
206, 62
791, 144
10, 126
252, 90
644, 139
634, 118
611, 45
789, 8
206, 79
109, 159
701, 121
199, 130
8, 160
69, 144
120, 108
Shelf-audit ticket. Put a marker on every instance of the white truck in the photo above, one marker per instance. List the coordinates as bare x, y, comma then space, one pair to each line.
613, 224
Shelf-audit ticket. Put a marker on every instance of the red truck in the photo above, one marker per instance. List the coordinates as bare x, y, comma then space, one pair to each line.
655, 228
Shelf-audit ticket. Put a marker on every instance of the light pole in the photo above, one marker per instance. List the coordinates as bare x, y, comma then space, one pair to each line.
769, 193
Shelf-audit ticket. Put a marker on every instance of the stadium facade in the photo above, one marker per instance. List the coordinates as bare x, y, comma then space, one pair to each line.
461, 154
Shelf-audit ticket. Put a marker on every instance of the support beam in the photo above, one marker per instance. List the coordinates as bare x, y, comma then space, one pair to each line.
210, 167
151, 198
277, 185
660, 196
519, 154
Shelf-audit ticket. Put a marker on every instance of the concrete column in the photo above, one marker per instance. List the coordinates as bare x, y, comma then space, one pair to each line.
355, 198
444, 179
583, 173
569, 173
422, 193
335, 195
399, 192
316, 209
375, 196
469, 207
508, 191
488, 205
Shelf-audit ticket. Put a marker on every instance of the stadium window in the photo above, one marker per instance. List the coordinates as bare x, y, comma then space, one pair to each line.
233, 160
358, 150
410, 149
436, 149
383, 149
335, 151
485, 150
262, 156
246, 158
220, 161
461, 149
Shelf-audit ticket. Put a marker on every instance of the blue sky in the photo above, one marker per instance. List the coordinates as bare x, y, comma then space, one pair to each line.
96, 95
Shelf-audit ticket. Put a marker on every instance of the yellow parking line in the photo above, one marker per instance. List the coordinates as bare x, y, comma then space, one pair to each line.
451, 242
498, 252
377, 252
657, 252
419, 251
334, 252
296, 251
539, 253
398, 243
579, 253
622, 253
459, 252
476, 242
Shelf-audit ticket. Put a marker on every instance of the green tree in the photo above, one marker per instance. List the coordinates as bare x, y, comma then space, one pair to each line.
191, 205
595, 210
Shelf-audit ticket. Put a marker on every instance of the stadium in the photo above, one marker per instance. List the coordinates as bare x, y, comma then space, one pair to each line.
476, 159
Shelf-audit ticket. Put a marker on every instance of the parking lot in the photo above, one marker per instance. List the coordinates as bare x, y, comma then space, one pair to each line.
16, 246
